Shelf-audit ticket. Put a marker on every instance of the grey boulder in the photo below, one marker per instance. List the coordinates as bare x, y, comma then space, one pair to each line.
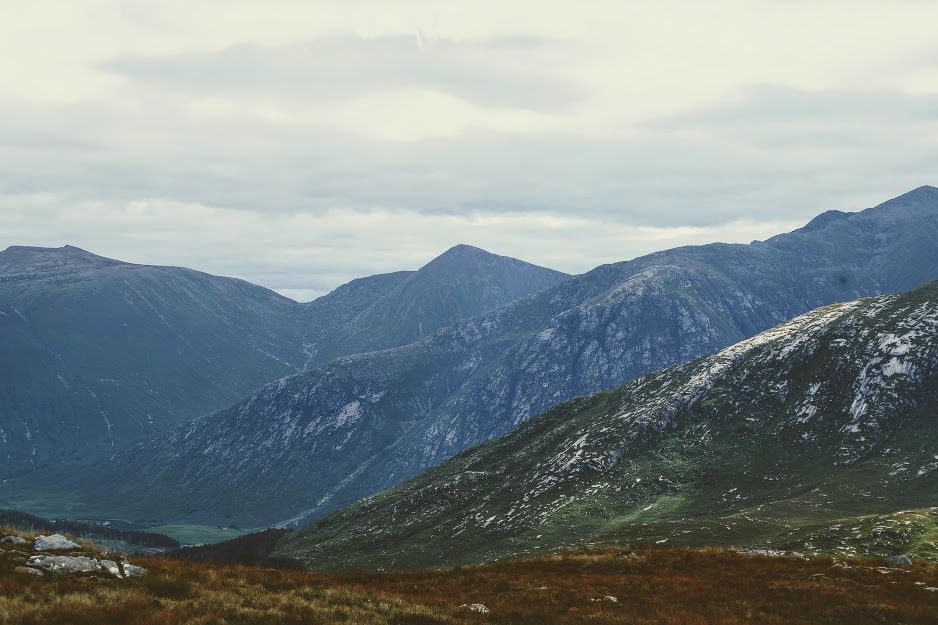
898, 561
134, 571
16, 540
56, 542
26, 569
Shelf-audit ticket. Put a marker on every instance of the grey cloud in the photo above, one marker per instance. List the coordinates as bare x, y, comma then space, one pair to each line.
701, 169
497, 73
765, 106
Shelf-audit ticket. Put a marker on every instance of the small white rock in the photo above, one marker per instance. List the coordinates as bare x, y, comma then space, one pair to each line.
131, 570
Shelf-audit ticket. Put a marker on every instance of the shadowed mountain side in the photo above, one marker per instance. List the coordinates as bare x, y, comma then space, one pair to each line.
404, 307
98, 353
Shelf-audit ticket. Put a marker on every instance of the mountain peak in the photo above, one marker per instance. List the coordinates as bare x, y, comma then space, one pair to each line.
825, 219
464, 248
65, 250
925, 189
463, 251
44, 259
462, 282
924, 194
466, 259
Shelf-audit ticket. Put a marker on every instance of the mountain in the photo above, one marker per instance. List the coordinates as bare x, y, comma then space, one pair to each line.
98, 353
812, 431
310, 444
404, 307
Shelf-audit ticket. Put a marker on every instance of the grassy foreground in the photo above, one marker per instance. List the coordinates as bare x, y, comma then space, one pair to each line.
652, 585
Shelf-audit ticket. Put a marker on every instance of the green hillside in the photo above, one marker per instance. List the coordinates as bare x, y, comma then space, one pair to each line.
817, 434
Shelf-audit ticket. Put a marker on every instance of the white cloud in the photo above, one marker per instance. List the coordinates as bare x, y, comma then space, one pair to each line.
681, 119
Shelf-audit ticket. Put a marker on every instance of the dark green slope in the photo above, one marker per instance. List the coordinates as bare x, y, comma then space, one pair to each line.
308, 445
97, 353
805, 436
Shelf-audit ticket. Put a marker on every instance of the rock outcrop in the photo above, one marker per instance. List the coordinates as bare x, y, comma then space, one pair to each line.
56, 542
63, 564
87, 561
82, 564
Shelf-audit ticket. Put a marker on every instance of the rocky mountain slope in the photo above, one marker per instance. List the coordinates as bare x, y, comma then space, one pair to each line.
826, 417
304, 446
96, 353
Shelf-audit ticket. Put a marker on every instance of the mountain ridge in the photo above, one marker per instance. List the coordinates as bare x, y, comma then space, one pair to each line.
305, 446
460, 283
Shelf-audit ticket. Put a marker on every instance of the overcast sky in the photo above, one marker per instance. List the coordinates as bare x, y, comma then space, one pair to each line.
302, 144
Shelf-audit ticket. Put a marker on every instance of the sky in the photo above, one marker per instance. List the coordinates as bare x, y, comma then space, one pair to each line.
299, 145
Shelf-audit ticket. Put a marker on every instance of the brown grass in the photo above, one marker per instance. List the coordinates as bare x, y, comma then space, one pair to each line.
660, 586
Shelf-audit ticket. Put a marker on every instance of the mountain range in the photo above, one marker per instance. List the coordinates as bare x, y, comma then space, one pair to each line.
306, 445
819, 432
98, 353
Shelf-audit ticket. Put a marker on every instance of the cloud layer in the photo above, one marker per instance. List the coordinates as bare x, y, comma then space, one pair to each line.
301, 144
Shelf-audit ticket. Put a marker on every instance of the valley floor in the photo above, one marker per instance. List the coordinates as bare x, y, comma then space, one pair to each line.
650, 585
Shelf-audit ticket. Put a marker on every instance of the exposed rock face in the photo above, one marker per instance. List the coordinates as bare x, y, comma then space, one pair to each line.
55, 542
